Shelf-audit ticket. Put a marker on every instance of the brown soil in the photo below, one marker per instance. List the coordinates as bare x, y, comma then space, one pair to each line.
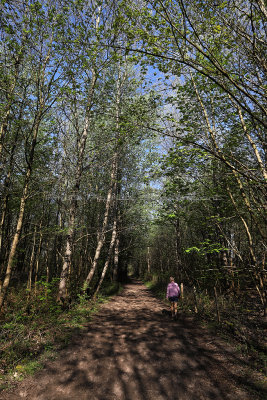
131, 351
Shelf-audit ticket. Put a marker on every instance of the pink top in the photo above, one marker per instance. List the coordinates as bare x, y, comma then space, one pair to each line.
172, 290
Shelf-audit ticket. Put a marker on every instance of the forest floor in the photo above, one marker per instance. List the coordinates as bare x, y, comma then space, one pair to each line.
130, 350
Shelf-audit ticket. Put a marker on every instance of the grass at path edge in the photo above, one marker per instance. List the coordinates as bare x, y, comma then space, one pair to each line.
28, 340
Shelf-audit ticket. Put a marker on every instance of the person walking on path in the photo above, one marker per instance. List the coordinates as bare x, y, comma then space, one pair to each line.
173, 294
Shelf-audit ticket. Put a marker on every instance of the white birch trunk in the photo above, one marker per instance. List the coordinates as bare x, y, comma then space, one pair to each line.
15, 241
102, 235
112, 242
62, 290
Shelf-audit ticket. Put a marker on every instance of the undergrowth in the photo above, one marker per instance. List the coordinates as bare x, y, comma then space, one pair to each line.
35, 327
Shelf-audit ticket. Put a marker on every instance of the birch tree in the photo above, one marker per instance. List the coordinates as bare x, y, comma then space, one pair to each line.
41, 78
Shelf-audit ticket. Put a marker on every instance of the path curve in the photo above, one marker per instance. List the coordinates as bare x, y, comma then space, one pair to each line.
132, 351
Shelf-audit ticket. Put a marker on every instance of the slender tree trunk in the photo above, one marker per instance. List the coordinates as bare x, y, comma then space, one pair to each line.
260, 284
40, 108
178, 248
29, 283
262, 7
118, 184
10, 97
112, 243
148, 258
47, 273
7, 110
117, 235
218, 151
7, 182
195, 299
116, 257
5, 199
15, 241
251, 141
11, 258
62, 290
37, 259
102, 235
217, 305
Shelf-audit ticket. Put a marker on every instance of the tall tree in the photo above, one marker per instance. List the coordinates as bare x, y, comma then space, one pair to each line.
38, 84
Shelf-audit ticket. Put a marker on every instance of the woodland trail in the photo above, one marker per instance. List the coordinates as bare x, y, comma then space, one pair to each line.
131, 351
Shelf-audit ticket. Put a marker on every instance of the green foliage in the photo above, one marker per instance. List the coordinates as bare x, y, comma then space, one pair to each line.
29, 368
207, 247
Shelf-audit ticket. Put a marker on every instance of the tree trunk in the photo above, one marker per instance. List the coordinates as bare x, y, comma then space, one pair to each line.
101, 239
29, 283
15, 242
178, 248
10, 96
112, 243
182, 290
251, 141
148, 260
116, 256
260, 284
62, 290
11, 258
195, 299
217, 306
7, 184
37, 261
7, 109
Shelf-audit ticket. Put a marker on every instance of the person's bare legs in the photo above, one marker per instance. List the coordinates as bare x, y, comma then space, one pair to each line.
175, 309
172, 308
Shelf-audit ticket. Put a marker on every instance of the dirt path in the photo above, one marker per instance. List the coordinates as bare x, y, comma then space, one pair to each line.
132, 351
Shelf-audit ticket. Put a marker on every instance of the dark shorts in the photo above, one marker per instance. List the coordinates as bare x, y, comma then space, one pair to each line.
173, 299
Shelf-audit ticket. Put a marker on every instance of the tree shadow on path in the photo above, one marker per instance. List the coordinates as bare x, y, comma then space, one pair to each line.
133, 352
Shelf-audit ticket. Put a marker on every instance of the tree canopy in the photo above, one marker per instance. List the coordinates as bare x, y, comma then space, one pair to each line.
132, 141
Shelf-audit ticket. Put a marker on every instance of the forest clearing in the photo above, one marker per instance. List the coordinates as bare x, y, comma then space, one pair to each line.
133, 146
